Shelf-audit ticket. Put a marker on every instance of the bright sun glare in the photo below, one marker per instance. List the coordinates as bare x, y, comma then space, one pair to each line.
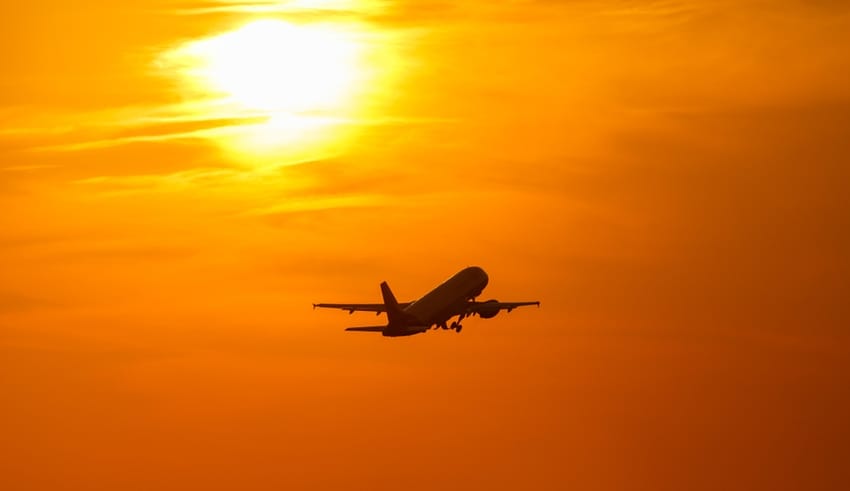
297, 76
271, 65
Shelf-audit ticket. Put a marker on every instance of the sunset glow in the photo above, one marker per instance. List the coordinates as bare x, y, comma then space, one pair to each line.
181, 181
302, 79
274, 66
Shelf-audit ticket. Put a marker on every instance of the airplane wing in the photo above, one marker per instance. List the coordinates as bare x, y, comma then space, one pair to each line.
492, 307
357, 307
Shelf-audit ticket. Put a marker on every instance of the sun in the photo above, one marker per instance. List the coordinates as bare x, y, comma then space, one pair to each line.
306, 76
272, 65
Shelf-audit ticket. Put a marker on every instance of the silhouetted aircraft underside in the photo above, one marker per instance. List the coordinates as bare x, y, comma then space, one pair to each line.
454, 297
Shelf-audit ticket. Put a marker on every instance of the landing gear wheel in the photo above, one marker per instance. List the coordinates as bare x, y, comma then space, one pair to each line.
455, 325
458, 328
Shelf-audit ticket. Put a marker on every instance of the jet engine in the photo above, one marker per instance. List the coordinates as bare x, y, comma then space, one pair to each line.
488, 309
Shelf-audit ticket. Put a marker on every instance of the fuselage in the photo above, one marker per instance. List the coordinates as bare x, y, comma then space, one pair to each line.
442, 303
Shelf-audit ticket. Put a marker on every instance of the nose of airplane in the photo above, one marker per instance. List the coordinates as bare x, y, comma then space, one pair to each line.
478, 275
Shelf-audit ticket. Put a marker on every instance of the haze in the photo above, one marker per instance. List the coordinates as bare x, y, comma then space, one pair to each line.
179, 182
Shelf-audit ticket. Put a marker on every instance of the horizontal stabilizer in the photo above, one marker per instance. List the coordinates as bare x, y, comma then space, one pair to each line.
367, 329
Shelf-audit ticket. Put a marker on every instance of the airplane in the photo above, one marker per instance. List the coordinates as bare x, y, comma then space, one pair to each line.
454, 297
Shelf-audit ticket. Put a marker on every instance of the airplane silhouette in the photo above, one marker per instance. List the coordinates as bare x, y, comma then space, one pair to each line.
454, 297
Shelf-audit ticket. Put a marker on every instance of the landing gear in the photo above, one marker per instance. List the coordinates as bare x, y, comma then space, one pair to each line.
457, 327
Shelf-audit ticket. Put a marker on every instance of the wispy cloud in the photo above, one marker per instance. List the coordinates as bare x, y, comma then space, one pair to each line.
122, 185
27, 168
322, 204
292, 9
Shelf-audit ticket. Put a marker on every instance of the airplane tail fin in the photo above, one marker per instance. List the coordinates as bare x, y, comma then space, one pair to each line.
394, 313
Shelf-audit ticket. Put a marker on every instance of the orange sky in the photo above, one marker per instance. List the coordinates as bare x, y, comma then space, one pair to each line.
669, 178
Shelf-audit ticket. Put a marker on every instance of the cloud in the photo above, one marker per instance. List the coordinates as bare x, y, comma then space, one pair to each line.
26, 168
158, 182
293, 10
321, 204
